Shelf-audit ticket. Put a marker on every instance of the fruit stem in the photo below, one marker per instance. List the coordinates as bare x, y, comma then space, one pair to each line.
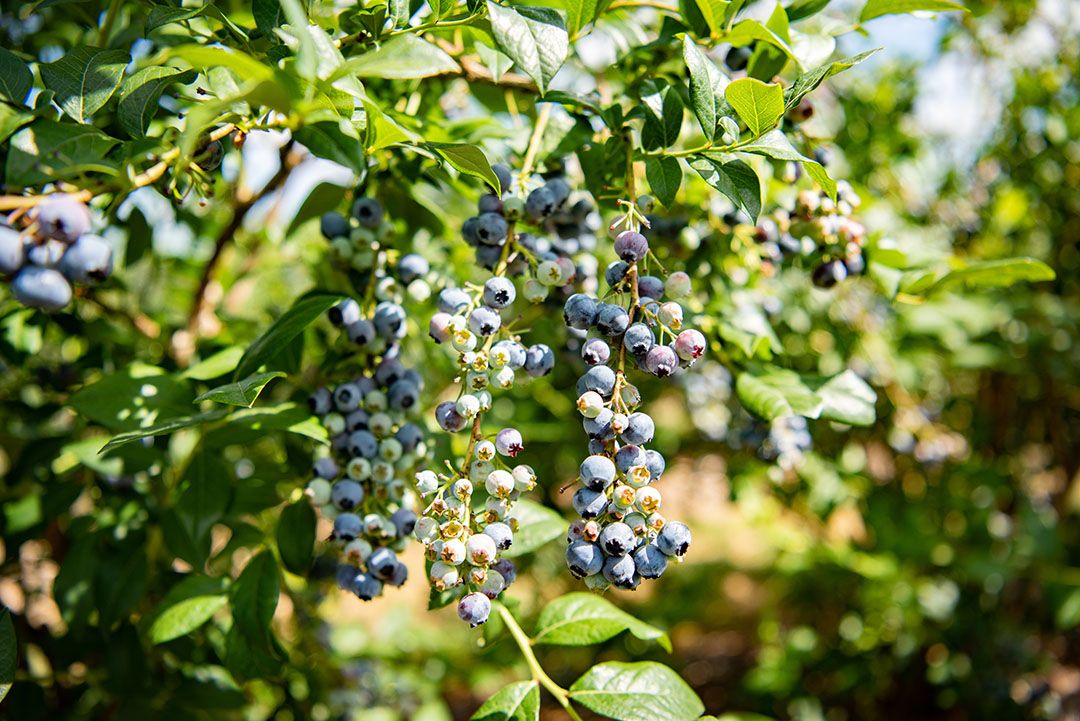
525, 644
534, 141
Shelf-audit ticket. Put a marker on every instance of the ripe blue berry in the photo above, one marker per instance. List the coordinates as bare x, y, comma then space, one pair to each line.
501, 534
503, 174
381, 563
638, 339
499, 292
584, 559
347, 526
612, 320
474, 609
42, 288
600, 378
620, 570
347, 495
580, 311
62, 218
639, 429
366, 587
453, 300
334, 225
650, 561
490, 203
589, 503
595, 351
404, 520
649, 286
615, 273
600, 426
484, 321
88, 260
389, 320
344, 313
411, 267
361, 332
539, 360
363, 443
368, 212
630, 456
559, 190
656, 464
448, 418
617, 539
829, 273
12, 255
403, 395
491, 229
540, 203
674, 538
597, 472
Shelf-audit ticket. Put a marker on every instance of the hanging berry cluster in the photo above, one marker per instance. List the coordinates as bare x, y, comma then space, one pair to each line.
464, 542
55, 251
361, 484
621, 537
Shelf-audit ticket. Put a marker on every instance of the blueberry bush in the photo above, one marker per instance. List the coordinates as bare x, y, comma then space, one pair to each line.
361, 360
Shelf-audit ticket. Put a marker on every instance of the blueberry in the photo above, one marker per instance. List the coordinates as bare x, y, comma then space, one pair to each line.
12, 254
855, 264
619, 570
580, 311
364, 444
502, 172
448, 418
488, 256
501, 534
650, 561
334, 225
366, 587
42, 288
514, 351
403, 395
321, 401
88, 260
347, 397
412, 266
344, 313
508, 442
389, 371
661, 361
453, 300
656, 464
47, 254
345, 575
596, 446
62, 218
638, 339
539, 360
439, 327
595, 351
404, 520
490, 203
829, 273
540, 203
673, 539
589, 503
347, 526
347, 495
474, 609
368, 211
491, 229
470, 230
649, 286
559, 190
631, 246
381, 563
584, 559
361, 332
599, 427
630, 456
639, 429
409, 436
398, 575
484, 321
617, 539
505, 568
615, 273
389, 320
499, 292
597, 472
612, 320
600, 378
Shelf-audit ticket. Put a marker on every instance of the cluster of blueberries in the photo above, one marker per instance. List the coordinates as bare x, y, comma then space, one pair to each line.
56, 250
821, 228
621, 537
360, 485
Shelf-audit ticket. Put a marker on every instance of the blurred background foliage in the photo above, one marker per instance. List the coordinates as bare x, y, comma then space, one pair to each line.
925, 567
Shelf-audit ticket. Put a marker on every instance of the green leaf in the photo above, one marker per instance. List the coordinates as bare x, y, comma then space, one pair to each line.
399, 12
748, 32
515, 702
537, 525
775, 144
15, 77
205, 491
291, 324
468, 159
534, 38
644, 691
403, 57
714, 12
1066, 618
734, 178
250, 424
184, 616
254, 596
188, 605
85, 79
664, 174
776, 393
164, 14
47, 150
802, 9
139, 95
337, 141
579, 13
119, 585
268, 15
877, 8
216, 365
138, 396
663, 117
760, 105
296, 535
241, 393
808, 81
847, 398
164, 428
441, 8
707, 85
584, 619
995, 274
9, 656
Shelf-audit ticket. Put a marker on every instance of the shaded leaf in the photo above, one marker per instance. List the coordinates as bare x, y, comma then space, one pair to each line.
847, 398
84, 79
336, 141
164, 428
188, 605
296, 535
664, 174
15, 77
290, 324
139, 95
8, 653
164, 14
776, 393
995, 274
47, 150
254, 596
537, 525
775, 144
735, 179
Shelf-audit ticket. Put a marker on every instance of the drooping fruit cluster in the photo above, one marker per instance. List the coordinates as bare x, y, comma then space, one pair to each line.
55, 251
821, 229
621, 537
463, 543
361, 484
